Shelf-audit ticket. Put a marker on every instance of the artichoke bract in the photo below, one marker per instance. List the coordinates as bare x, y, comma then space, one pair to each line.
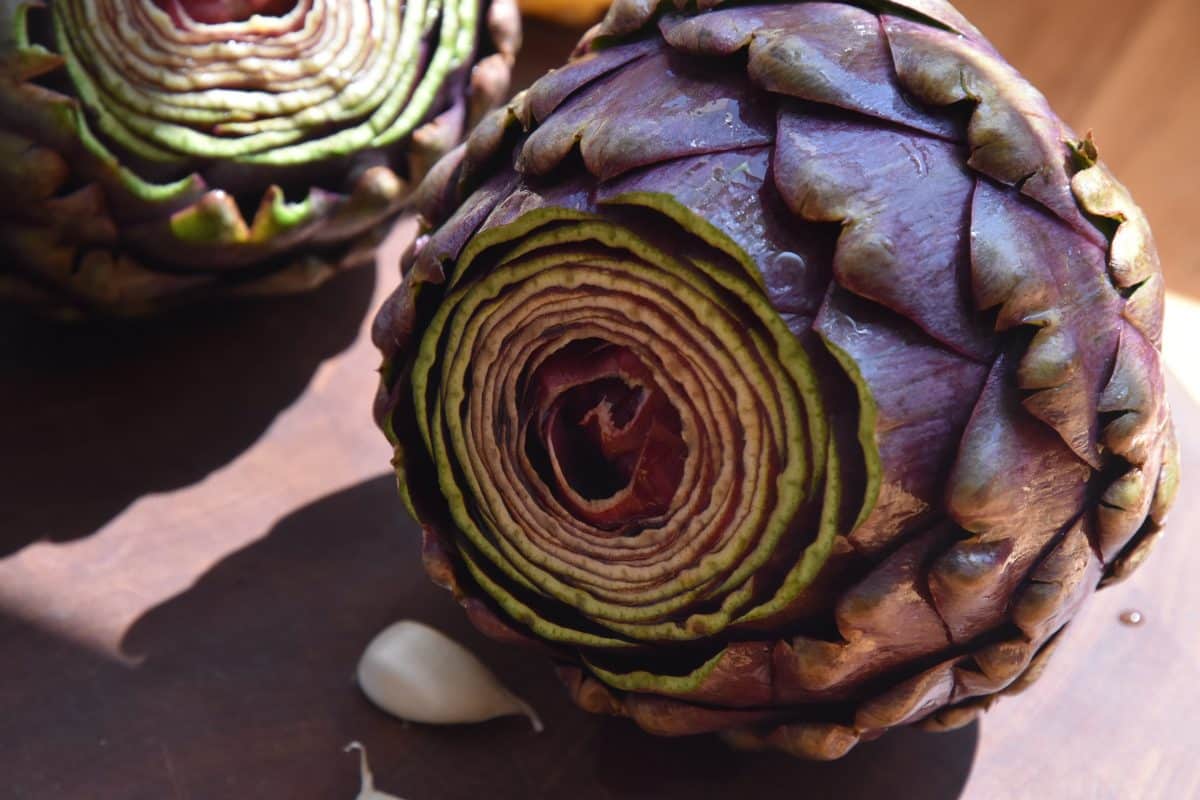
162, 150
784, 370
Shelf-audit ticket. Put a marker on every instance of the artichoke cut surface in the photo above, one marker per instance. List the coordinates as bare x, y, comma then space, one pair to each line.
160, 150
789, 371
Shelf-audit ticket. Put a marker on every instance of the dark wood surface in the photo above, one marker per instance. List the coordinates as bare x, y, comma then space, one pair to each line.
198, 536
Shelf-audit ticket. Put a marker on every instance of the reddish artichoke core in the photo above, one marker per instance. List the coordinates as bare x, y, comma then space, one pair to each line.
603, 436
214, 12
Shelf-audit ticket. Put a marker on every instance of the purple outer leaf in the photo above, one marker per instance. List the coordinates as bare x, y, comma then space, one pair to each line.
888, 612
903, 201
828, 53
731, 190
696, 111
923, 395
1008, 463
549, 91
1041, 273
1014, 136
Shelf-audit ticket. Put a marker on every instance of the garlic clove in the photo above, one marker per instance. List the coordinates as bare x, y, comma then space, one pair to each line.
420, 674
367, 791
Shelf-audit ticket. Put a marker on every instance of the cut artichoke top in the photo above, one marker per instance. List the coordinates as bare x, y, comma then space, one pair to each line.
316, 81
788, 370
201, 138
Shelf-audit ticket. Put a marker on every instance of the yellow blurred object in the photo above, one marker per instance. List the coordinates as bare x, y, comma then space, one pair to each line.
575, 13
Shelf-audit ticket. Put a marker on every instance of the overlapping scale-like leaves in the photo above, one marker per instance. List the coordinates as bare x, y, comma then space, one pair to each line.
783, 370
185, 147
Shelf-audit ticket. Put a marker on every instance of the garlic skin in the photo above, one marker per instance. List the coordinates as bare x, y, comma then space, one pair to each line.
367, 791
417, 673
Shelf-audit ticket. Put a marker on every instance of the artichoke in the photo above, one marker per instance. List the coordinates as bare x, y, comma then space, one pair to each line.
788, 371
161, 150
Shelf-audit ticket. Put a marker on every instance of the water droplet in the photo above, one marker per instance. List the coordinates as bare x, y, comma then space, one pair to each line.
1132, 617
789, 263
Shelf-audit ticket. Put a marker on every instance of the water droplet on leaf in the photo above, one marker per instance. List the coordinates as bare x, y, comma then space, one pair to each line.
1132, 617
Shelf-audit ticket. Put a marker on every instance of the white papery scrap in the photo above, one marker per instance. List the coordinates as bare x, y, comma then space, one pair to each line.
367, 791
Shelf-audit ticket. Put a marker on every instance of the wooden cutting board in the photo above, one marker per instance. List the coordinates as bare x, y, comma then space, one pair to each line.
198, 536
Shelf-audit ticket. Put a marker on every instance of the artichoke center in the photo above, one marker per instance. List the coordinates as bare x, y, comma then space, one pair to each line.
602, 434
215, 12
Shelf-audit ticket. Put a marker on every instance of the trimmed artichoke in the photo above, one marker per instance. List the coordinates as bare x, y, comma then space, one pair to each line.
160, 150
784, 370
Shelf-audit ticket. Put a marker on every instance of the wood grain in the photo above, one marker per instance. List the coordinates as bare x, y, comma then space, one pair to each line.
199, 536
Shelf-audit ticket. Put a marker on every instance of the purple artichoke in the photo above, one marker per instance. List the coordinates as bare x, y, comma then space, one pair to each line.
784, 370
162, 150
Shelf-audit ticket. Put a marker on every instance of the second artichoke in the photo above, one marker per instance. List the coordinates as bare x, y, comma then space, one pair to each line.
161, 150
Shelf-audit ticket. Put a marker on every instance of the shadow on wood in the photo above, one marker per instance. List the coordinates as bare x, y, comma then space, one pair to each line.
94, 415
245, 689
